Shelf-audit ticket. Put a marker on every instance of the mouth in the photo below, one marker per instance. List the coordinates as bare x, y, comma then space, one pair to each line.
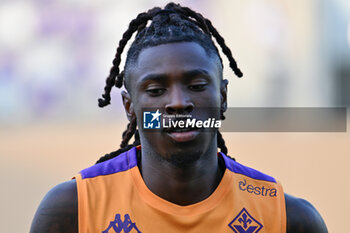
182, 134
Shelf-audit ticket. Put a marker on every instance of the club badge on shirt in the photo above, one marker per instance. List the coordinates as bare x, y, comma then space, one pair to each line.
245, 223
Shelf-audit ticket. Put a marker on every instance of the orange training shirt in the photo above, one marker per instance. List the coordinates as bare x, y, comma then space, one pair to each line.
113, 198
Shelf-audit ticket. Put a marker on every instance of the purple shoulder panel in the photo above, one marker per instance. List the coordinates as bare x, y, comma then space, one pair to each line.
122, 162
247, 171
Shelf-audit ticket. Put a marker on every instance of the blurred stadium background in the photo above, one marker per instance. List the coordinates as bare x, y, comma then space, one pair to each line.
55, 56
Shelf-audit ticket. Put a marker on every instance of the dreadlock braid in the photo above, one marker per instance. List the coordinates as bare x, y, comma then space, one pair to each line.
121, 150
172, 24
207, 26
197, 16
110, 81
128, 133
221, 143
225, 49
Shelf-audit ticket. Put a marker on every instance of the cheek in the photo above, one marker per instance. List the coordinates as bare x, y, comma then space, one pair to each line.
210, 98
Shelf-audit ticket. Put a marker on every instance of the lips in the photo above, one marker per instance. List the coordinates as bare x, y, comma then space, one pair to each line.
178, 129
183, 135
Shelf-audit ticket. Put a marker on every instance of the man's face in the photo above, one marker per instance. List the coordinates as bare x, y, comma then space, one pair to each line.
178, 78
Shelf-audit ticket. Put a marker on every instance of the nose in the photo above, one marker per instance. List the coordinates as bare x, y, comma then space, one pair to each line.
179, 102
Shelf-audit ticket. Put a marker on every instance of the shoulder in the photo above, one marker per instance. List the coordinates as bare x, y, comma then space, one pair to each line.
58, 211
303, 216
120, 163
239, 168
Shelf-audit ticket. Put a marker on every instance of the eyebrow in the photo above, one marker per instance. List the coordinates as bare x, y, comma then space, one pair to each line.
196, 72
154, 77
186, 74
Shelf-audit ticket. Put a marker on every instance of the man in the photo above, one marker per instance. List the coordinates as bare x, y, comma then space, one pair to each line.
172, 179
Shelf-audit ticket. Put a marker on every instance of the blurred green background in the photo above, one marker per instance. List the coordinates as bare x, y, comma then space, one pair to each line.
55, 56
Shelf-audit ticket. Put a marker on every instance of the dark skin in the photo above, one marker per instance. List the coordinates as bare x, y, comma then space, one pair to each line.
164, 81
179, 84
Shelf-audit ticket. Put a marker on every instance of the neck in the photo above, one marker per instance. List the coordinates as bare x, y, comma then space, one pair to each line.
182, 185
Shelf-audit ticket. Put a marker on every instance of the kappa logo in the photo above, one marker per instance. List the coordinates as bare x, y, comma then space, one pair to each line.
245, 223
118, 225
151, 120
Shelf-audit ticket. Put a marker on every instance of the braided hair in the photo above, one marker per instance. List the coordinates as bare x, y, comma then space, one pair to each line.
172, 24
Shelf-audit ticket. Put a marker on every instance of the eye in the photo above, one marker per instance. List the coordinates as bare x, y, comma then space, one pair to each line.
155, 91
198, 87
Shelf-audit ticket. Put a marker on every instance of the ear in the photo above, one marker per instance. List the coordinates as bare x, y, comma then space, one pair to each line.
128, 105
223, 97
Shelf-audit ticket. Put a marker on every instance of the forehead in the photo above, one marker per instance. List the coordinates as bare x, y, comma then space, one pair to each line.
174, 59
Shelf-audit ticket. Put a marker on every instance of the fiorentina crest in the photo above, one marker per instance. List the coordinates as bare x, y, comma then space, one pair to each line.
245, 223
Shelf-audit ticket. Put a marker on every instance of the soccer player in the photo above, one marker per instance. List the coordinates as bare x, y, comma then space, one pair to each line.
173, 179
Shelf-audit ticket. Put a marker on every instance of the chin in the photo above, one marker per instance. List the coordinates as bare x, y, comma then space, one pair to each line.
184, 154
184, 158
179, 154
